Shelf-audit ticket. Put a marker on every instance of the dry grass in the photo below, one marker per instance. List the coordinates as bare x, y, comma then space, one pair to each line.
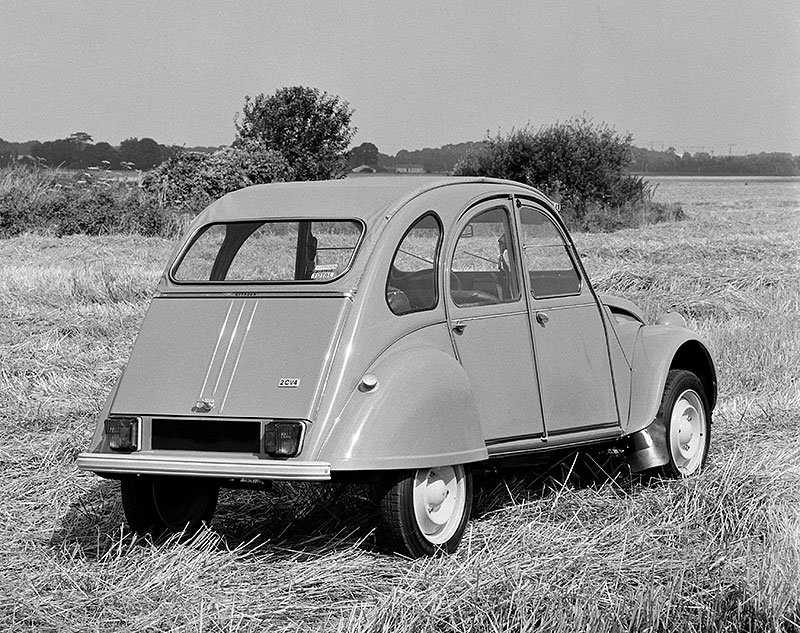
557, 550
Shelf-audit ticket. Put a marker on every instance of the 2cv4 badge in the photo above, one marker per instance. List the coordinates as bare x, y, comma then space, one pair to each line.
289, 383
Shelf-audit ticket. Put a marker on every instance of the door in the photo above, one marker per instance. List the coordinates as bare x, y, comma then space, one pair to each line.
572, 359
491, 329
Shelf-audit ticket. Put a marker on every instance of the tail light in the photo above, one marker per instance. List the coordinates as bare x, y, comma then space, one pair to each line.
283, 438
123, 434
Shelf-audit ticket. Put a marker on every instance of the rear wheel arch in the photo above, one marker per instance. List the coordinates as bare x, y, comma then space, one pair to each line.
421, 413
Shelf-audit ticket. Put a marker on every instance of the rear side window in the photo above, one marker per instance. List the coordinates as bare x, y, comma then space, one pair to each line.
270, 251
412, 285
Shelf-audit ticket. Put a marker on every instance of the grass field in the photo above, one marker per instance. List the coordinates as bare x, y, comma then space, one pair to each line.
553, 550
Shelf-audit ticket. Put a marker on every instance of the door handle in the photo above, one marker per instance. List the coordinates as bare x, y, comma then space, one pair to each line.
542, 318
459, 326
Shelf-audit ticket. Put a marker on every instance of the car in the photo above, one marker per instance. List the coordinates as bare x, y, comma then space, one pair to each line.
406, 331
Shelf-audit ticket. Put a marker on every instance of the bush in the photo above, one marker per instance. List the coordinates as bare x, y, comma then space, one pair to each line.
63, 203
188, 182
581, 164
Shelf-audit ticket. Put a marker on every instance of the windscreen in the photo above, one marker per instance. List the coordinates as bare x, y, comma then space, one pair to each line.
270, 251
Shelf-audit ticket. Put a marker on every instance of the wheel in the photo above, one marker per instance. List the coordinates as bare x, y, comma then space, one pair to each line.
686, 417
426, 511
157, 505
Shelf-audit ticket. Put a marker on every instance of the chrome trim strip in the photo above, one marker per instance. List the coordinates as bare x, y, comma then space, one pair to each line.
192, 466
240, 343
214, 355
563, 440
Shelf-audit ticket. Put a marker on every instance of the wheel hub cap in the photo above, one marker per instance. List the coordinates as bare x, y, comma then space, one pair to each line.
439, 501
435, 494
688, 429
437, 506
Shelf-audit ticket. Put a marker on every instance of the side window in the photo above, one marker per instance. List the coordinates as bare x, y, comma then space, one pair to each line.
547, 259
484, 270
412, 283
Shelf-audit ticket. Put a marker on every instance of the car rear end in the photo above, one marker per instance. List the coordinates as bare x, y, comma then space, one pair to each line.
226, 375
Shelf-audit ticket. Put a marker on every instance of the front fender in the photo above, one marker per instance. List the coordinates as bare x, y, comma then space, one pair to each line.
658, 349
420, 414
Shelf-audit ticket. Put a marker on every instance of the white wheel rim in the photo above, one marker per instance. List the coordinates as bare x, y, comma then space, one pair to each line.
439, 500
687, 432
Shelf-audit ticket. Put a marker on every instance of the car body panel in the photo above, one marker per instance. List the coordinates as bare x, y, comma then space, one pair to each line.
488, 347
574, 368
655, 353
402, 422
240, 356
620, 351
619, 305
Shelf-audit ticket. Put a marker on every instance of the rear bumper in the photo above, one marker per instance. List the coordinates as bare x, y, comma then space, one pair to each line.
195, 466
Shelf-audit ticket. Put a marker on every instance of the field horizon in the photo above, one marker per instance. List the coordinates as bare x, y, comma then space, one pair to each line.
579, 545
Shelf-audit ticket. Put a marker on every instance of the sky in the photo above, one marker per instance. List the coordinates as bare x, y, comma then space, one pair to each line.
695, 75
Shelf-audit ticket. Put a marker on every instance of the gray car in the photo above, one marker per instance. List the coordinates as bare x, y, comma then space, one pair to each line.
399, 330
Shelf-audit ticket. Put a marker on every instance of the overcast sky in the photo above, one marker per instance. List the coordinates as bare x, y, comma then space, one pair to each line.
688, 73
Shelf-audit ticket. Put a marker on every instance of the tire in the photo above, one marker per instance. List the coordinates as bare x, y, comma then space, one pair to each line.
686, 416
425, 511
160, 505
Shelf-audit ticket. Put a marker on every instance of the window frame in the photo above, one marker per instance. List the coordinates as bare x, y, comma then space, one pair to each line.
263, 282
566, 243
436, 264
515, 262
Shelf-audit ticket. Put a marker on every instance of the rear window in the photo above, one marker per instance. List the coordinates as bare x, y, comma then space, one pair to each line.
270, 251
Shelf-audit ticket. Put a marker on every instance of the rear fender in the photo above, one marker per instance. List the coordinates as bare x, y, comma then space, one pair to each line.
421, 413
659, 349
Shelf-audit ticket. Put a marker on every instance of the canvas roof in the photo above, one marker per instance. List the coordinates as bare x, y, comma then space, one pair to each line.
366, 198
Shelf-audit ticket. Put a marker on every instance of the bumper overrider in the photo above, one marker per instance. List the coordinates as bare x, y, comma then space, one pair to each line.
114, 465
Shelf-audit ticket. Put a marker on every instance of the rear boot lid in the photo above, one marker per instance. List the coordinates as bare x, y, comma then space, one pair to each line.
232, 357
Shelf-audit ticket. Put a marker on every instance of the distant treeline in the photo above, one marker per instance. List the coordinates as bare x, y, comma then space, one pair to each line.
78, 151
644, 161
668, 162
439, 160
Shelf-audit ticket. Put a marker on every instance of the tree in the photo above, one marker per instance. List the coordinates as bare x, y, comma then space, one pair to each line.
62, 152
81, 138
364, 154
310, 128
144, 154
101, 155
